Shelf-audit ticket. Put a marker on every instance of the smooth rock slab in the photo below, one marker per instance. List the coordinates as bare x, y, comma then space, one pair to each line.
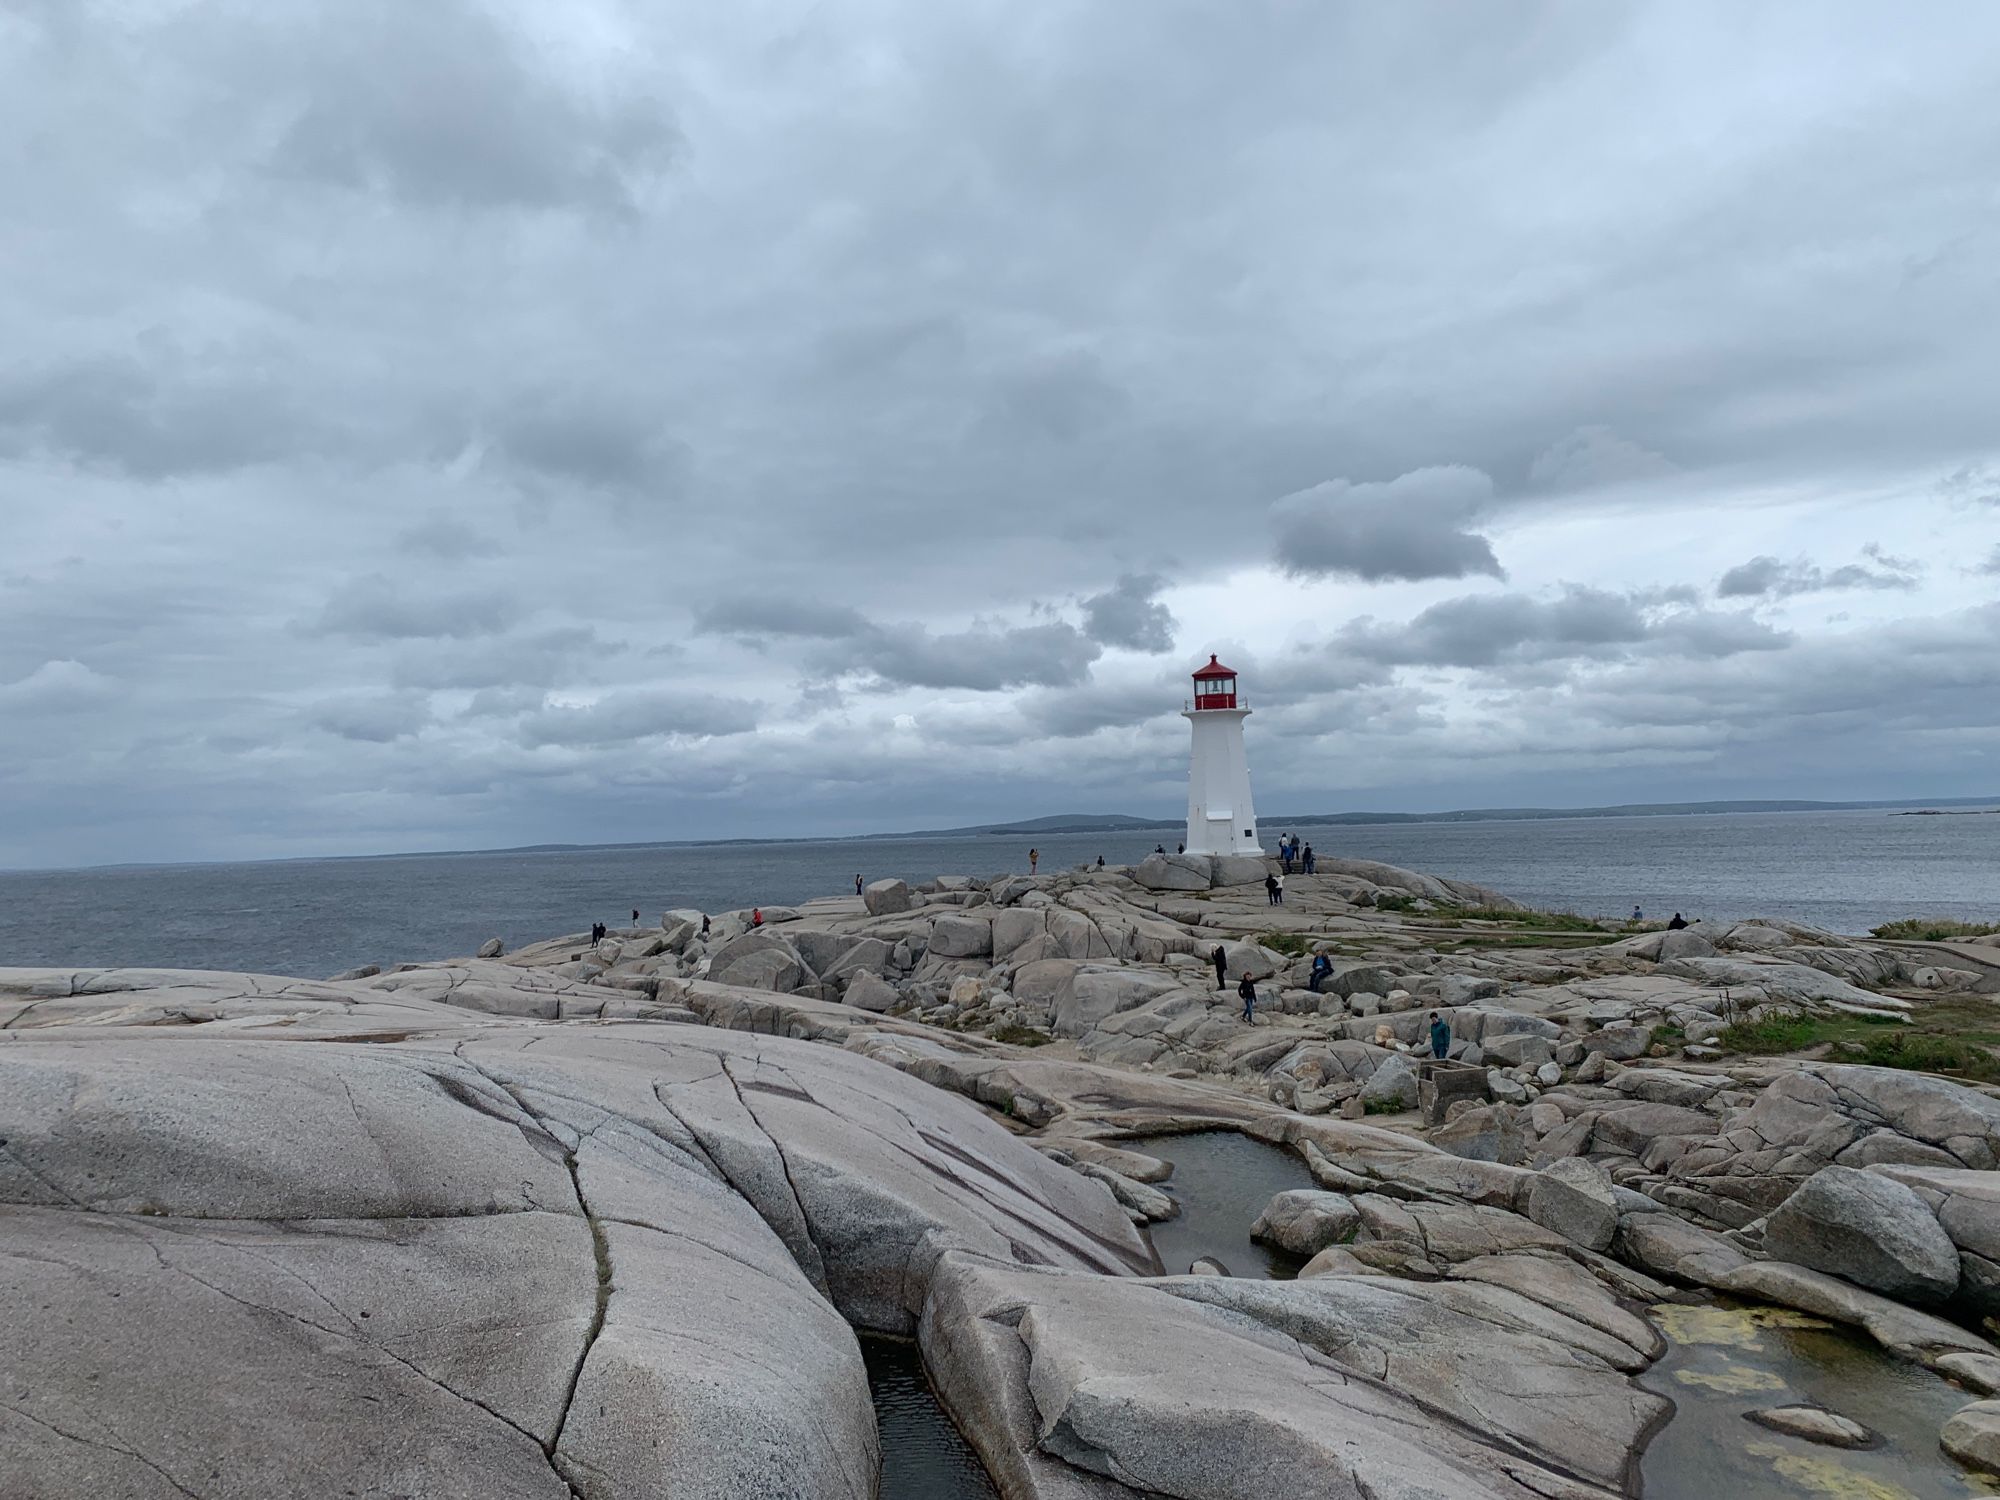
1972, 1436
1573, 1196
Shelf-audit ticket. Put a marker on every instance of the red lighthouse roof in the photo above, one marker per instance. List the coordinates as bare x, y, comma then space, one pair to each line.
1212, 670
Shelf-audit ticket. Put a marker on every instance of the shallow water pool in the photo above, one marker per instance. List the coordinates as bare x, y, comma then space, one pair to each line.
1222, 1180
924, 1457
1726, 1359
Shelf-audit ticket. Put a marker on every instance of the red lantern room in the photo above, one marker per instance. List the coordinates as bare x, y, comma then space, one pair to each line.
1215, 686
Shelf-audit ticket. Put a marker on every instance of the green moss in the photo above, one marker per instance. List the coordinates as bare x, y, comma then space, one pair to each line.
1928, 1053
1935, 929
1772, 1034
1017, 1035
1296, 944
1395, 901
1537, 921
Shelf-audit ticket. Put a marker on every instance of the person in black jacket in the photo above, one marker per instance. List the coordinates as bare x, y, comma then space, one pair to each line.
1220, 959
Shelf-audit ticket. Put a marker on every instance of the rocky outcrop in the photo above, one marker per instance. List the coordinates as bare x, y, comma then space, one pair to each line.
1872, 1230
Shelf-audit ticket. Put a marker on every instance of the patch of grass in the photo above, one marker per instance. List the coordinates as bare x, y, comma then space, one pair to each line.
1773, 1034
1384, 1107
1928, 1052
1935, 929
1538, 921
1523, 940
1017, 1035
1293, 944
1395, 901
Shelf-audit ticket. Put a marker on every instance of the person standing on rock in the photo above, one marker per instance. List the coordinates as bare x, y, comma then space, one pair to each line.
635, 916
1637, 915
1440, 1035
1180, 848
704, 924
1247, 992
857, 885
1035, 858
1677, 923
1220, 958
1270, 890
1100, 861
1278, 890
1309, 859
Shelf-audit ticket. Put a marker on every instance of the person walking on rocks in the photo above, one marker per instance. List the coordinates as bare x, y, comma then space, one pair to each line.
1309, 859
1247, 992
1220, 958
1034, 858
1440, 1035
1270, 890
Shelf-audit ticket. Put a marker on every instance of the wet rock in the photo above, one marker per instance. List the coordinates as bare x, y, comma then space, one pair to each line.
1972, 1436
1869, 1229
1815, 1424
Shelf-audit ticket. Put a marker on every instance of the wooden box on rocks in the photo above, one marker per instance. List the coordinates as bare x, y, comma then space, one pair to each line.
1441, 1083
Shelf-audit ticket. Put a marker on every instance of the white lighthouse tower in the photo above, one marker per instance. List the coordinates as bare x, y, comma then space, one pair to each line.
1221, 817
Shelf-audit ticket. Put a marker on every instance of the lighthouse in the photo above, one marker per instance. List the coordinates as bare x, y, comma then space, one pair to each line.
1221, 817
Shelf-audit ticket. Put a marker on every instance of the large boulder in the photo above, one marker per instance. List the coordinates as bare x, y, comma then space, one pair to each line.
1093, 994
1967, 1205
1239, 869
759, 960
870, 991
1304, 1221
1174, 872
1972, 1436
1868, 1229
1393, 1084
1573, 1196
885, 897
957, 936
1016, 926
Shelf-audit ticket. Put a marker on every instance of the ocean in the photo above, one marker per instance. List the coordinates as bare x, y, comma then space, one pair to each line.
1847, 871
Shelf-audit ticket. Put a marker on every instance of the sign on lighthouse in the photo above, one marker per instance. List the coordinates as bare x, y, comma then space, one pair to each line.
1221, 817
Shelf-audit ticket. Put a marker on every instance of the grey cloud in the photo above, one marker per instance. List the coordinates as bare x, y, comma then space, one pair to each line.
1992, 563
1077, 712
149, 417
372, 607
1413, 527
1129, 614
1766, 577
534, 660
984, 658
1593, 456
579, 439
1974, 484
59, 686
638, 714
755, 614
1483, 630
451, 537
440, 105
377, 718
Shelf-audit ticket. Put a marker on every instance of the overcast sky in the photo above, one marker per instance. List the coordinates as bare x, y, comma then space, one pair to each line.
476, 422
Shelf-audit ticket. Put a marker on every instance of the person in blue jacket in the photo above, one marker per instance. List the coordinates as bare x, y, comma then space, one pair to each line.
1440, 1035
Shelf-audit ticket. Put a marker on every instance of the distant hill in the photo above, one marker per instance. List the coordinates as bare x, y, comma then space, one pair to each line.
1114, 822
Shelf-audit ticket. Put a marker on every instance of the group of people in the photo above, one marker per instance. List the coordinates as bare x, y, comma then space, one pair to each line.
1274, 888
1292, 856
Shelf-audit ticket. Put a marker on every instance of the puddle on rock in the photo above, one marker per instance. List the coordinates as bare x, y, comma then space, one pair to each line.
924, 1457
1724, 1360
1222, 1181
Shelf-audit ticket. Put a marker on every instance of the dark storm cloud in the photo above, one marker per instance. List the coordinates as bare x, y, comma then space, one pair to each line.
575, 439
1413, 527
373, 607
1129, 614
1766, 577
621, 717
